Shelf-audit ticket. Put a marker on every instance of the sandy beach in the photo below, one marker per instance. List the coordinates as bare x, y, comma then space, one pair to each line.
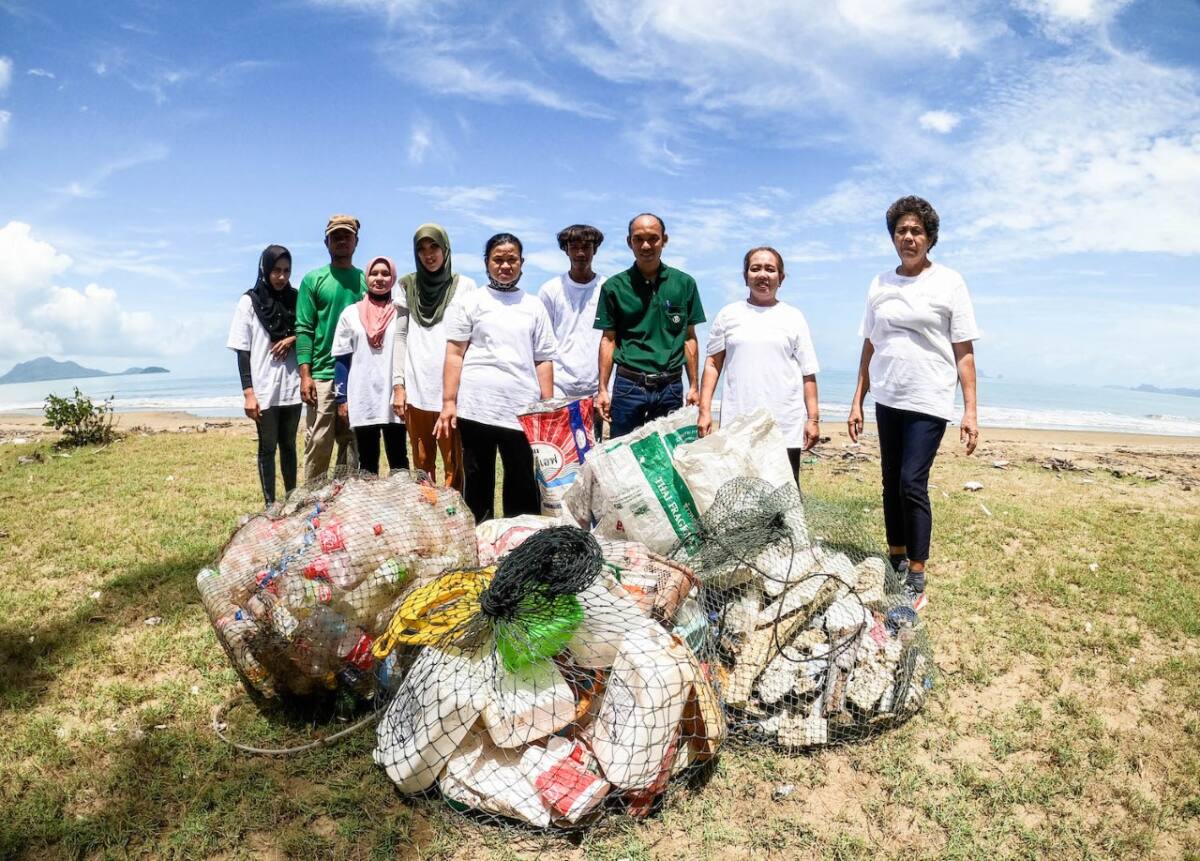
1147, 456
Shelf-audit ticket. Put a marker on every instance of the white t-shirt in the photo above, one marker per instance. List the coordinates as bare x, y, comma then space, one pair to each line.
572, 310
508, 332
276, 382
427, 351
369, 388
768, 352
912, 323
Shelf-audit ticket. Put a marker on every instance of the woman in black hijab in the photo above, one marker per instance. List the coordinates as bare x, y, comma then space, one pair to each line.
263, 335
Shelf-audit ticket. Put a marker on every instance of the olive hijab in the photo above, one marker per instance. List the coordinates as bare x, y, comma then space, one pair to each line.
429, 293
275, 309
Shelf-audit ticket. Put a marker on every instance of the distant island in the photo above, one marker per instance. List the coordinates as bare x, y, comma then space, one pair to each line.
45, 368
1155, 390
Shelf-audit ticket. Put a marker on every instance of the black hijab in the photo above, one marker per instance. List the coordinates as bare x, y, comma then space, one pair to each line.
276, 309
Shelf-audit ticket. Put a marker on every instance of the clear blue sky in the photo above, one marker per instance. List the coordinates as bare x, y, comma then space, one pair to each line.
149, 150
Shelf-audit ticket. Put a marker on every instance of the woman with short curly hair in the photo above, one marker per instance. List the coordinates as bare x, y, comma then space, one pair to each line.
917, 333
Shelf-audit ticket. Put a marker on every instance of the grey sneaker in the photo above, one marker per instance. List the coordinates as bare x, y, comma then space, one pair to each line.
914, 588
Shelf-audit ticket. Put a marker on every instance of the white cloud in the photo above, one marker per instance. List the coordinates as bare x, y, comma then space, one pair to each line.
485, 205
6, 67
100, 68
40, 73
90, 187
44, 317
1058, 19
419, 142
27, 265
942, 122
224, 225
5, 119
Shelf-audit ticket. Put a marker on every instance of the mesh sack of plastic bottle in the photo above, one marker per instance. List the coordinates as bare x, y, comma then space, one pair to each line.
298, 597
812, 640
542, 691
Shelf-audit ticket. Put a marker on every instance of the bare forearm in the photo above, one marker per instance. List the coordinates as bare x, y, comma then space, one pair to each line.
545, 376
691, 354
966, 378
452, 373
712, 373
812, 404
864, 374
608, 346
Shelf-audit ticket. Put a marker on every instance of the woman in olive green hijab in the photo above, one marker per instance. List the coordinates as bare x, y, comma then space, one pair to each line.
431, 293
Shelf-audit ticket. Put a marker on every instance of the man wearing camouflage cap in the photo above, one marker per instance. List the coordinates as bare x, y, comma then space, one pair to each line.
324, 294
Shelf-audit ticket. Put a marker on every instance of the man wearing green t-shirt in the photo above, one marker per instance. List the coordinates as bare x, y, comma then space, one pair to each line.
324, 294
649, 314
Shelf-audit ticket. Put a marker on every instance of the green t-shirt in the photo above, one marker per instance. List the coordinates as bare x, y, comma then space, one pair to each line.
650, 319
324, 294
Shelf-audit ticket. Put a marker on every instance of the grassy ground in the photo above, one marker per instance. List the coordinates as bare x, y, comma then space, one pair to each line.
1066, 626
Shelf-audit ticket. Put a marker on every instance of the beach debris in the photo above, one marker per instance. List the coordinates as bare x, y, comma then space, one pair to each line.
1093, 567
28, 459
985, 509
153, 621
544, 689
973, 486
95, 596
299, 594
782, 791
169, 478
1062, 464
1000, 464
18, 440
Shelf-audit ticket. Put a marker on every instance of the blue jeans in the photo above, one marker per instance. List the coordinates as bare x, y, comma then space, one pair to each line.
634, 405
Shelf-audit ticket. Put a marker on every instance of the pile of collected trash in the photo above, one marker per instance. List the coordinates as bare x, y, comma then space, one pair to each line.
299, 595
547, 688
551, 668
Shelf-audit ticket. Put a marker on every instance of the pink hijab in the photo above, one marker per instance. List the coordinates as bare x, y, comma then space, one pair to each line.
376, 312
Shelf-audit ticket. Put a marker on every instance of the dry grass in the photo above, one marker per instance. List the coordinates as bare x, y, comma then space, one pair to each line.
1065, 723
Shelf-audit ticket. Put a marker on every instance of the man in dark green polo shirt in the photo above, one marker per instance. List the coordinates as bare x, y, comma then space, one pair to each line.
323, 295
649, 314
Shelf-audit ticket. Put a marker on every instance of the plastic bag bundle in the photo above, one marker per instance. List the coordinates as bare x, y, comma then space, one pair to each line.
298, 597
812, 638
542, 690
559, 431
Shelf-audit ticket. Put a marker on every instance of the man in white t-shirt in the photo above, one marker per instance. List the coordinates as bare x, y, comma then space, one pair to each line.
570, 300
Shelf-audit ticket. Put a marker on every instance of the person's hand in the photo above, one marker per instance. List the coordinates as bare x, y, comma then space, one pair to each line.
281, 347
343, 412
704, 422
604, 405
447, 422
308, 390
812, 433
968, 431
399, 401
854, 424
693, 396
251, 407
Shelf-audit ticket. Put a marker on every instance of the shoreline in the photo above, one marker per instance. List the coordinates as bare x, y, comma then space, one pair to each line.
154, 421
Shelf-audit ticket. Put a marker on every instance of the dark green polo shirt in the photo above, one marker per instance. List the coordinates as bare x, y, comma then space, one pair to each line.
651, 319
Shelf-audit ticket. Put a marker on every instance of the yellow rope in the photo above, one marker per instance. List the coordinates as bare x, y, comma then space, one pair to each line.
432, 612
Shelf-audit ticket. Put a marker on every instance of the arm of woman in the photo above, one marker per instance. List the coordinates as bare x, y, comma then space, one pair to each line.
451, 377
251, 401
399, 360
968, 429
812, 406
280, 348
341, 379
545, 378
855, 423
691, 358
708, 387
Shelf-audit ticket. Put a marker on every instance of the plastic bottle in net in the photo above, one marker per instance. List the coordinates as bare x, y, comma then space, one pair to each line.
812, 639
298, 597
543, 690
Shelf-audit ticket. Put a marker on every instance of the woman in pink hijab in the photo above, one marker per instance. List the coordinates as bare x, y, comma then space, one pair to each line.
366, 383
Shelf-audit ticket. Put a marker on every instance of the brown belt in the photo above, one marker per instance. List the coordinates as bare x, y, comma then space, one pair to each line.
650, 381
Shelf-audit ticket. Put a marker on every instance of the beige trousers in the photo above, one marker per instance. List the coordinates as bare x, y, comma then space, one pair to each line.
321, 430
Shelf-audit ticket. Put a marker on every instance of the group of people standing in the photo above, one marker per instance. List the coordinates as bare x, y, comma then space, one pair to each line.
433, 359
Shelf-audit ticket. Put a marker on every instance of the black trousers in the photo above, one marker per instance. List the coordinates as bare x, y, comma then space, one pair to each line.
908, 443
480, 442
794, 455
394, 442
277, 430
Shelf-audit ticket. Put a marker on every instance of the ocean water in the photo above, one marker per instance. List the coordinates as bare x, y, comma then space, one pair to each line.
1003, 403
